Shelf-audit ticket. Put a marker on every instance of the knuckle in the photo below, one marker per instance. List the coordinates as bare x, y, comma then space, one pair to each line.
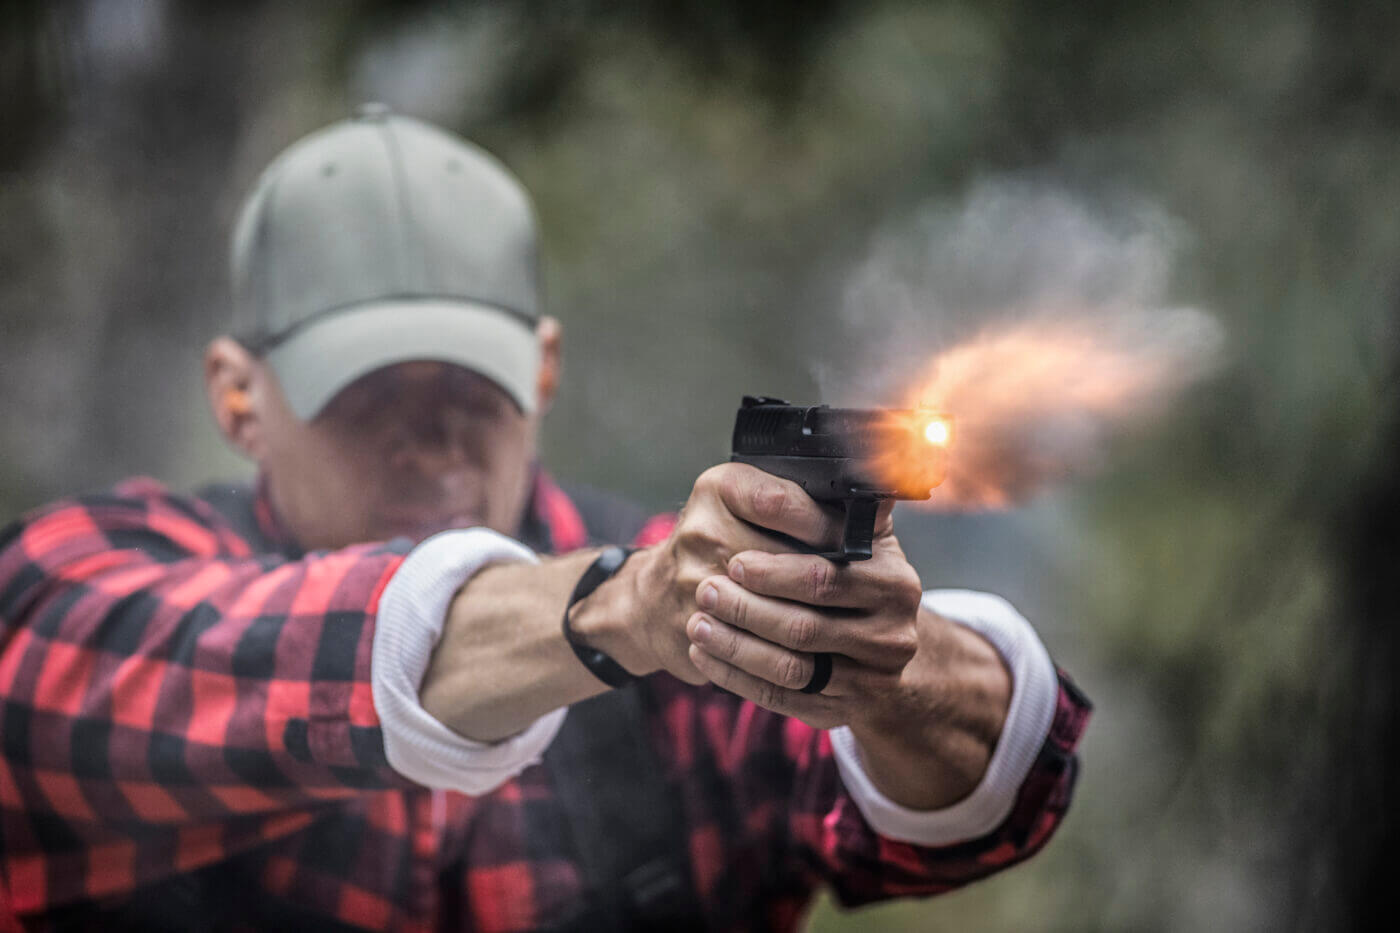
822, 581
688, 580
691, 536
728, 643
727, 485
911, 578
738, 610
770, 502
769, 695
711, 480
905, 645
904, 591
709, 544
801, 630
791, 672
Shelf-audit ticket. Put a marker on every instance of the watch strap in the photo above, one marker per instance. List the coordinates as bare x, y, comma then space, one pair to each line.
607, 563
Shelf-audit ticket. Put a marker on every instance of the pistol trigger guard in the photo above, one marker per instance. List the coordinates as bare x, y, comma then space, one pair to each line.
858, 535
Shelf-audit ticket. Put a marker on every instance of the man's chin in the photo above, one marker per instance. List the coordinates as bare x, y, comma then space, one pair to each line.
418, 531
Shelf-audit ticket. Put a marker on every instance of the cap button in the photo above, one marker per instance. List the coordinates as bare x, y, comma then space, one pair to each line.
372, 111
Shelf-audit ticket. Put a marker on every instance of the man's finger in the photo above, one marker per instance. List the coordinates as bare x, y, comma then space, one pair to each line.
809, 578
790, 625
777, 504
884, 640
763, 659
815, 709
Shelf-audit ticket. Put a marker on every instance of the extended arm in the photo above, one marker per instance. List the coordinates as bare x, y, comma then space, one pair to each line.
502, 662
942, 733
925, 698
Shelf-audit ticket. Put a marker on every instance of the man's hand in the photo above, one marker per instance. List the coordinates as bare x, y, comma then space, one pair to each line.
502, 661
925, 698
733, 507
762, 624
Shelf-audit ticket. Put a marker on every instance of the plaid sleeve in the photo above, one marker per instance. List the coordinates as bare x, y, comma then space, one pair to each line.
160, 681
770, 821
834, 840
777, 765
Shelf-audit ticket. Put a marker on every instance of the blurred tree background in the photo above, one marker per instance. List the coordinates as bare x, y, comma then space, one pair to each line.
717, 183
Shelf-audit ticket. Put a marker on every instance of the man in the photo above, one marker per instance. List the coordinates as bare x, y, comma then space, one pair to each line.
360, 696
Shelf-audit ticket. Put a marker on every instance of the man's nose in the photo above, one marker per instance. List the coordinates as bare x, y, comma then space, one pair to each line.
434, 445
427, 459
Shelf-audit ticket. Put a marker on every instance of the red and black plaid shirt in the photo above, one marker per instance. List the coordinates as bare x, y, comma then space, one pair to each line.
172, 701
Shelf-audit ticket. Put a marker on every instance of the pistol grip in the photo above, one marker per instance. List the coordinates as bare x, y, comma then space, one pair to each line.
858, 535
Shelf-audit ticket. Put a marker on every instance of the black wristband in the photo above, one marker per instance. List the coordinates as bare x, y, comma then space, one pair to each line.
603, 667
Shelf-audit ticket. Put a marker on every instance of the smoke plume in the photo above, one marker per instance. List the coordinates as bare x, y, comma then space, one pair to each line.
1037, 324
1035, 401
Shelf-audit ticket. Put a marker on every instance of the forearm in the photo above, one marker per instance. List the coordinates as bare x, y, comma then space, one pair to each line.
930, 745
1017, 773
503, 662
1008, 817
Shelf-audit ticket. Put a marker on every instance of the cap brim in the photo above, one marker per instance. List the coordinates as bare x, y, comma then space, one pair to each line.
329, 353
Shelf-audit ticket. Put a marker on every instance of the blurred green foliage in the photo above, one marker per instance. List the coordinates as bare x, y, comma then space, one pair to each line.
709, 176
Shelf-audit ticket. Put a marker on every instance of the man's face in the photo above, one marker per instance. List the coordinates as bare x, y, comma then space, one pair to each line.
407, 450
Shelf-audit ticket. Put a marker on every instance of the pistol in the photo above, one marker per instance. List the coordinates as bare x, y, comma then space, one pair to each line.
854, 456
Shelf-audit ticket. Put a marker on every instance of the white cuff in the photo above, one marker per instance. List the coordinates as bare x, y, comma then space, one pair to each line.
412, 611
1034, 693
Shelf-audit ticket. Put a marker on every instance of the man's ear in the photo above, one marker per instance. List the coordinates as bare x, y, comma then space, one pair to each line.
551, 337
230, 381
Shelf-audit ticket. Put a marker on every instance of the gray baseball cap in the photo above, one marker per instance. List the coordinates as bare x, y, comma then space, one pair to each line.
380, 240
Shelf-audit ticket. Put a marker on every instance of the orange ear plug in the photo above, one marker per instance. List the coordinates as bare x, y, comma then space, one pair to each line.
237, 401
